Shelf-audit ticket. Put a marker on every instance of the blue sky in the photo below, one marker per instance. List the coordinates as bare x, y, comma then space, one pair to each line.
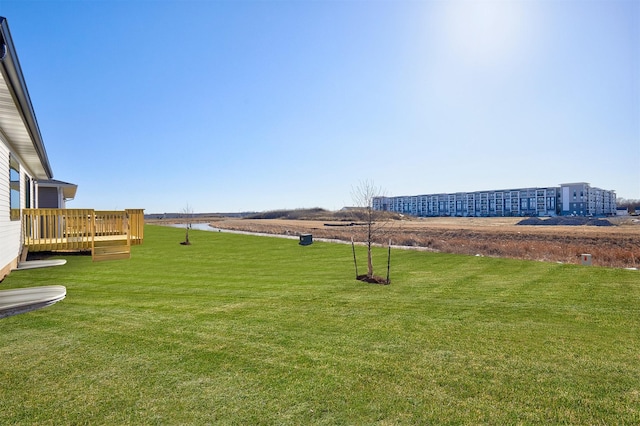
260, 105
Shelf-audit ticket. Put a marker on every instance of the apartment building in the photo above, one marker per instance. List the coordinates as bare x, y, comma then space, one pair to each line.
578, 199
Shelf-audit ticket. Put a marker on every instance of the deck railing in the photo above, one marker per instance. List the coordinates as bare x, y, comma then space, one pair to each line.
109, 223
77, 229
58, 229
136, 225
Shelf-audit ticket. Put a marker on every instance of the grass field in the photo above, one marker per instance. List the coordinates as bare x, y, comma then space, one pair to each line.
238, 329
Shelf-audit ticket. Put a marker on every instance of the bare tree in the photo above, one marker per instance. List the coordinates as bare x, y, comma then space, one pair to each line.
376, 227
630, 204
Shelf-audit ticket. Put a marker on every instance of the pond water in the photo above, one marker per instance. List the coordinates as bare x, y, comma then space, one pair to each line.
197, 226
207, 227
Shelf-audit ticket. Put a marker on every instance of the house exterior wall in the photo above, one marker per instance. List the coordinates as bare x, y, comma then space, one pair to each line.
22, 153
48, 198
549, 201
10, 234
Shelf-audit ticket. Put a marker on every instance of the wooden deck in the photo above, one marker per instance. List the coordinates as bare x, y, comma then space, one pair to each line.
109, 235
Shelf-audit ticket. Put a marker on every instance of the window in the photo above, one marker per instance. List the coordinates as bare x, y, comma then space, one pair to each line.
14, 184
27, 192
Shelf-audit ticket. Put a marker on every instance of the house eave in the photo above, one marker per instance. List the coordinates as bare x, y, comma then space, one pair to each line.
17, 117
68, 189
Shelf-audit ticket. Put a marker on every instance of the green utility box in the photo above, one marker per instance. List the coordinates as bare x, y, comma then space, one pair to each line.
306, 239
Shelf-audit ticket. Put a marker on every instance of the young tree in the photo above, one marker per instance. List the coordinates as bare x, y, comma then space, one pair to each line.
375, 227
187, 214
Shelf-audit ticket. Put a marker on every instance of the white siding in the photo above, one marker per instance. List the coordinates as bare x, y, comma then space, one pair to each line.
9, 229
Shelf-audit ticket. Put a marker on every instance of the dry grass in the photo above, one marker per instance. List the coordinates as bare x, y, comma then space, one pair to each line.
615, 246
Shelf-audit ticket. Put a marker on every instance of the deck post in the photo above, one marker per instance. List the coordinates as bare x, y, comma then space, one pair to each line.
93, 232
136, 225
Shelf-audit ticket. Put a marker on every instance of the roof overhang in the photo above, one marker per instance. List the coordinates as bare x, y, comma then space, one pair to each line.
68, 189
18, 124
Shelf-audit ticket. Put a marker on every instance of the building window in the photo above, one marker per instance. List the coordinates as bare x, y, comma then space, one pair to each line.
14, 185
27, 192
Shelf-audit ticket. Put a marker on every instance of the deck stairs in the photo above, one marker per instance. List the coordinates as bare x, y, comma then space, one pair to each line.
111, 250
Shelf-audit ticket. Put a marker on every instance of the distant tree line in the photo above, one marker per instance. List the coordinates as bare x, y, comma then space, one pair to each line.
630, 204
346, 214
312, 213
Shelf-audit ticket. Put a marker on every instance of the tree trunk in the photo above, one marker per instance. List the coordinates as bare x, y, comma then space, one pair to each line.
369, 238
369, 261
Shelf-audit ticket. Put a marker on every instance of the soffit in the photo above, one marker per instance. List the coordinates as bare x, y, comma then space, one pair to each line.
68, 189
16, 134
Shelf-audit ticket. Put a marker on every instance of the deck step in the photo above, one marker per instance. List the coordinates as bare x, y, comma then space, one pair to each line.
111, 250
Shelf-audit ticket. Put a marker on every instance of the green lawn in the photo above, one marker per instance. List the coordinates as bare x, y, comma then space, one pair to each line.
246, 330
